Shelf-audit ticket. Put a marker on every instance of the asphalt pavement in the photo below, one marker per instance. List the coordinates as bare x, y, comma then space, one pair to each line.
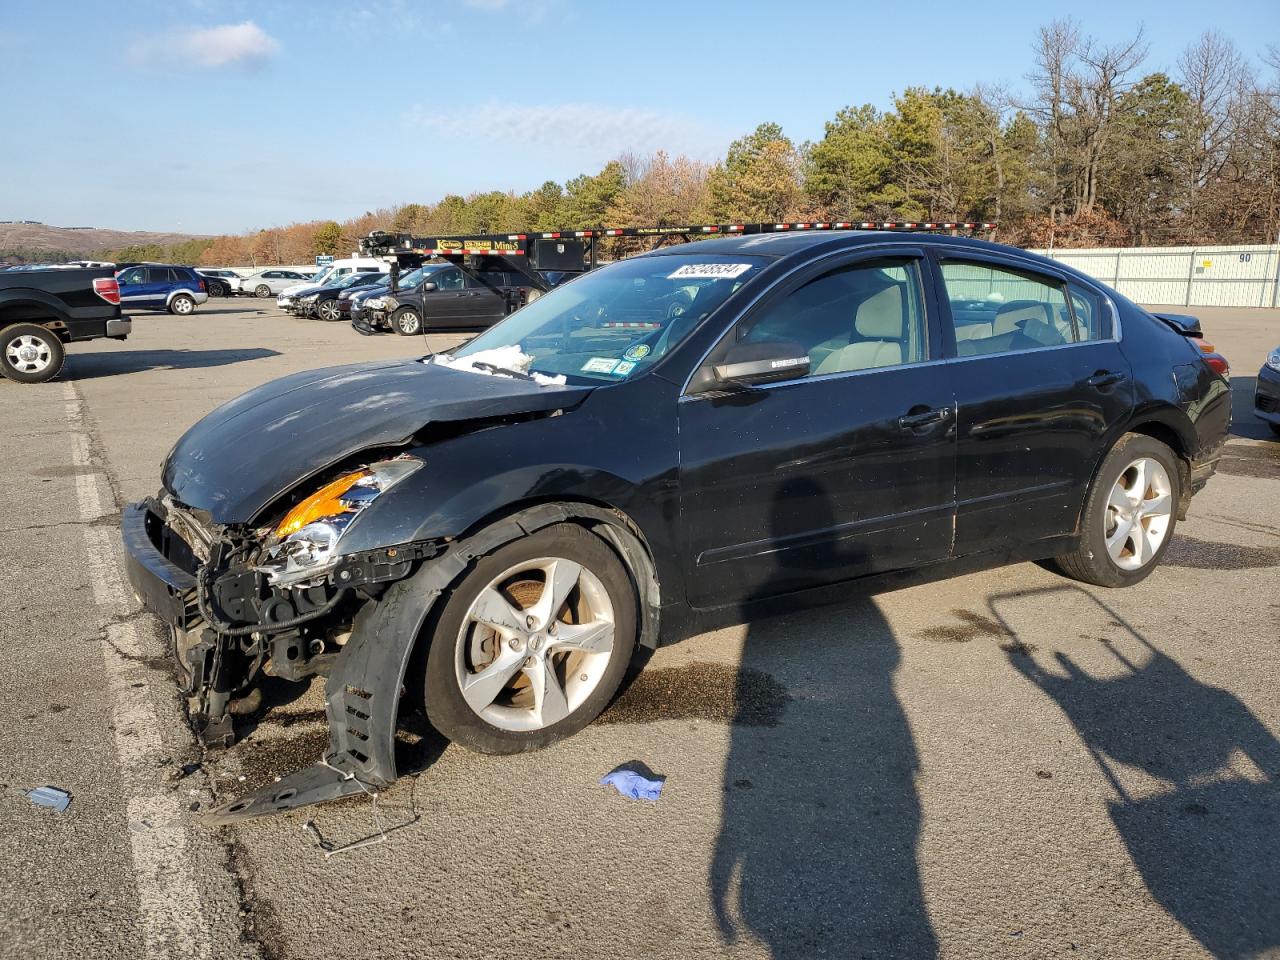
1003, 764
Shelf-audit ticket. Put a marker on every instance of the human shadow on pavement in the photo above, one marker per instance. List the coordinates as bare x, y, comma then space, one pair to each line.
1207, 843
88, 365
816, 854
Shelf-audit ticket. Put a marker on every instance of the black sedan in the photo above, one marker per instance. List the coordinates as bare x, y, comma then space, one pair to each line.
498, 532
323, 303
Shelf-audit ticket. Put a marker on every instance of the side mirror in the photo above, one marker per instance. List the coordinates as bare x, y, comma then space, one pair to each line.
752, 364
428, 286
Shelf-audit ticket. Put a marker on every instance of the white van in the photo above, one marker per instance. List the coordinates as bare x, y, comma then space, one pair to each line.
340, 268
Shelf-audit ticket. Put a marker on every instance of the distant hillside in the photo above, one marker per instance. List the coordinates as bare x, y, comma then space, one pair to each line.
40, 237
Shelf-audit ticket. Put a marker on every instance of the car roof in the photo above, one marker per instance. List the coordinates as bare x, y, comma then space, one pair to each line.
779, 246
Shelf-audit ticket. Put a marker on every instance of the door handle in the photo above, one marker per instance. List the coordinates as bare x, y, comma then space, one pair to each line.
924, 418
1105, 378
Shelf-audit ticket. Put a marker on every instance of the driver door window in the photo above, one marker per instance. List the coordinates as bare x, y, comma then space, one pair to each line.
132, 276
857, 317
448, 280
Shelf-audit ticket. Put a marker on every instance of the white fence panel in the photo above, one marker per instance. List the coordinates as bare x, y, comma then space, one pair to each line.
1237, 276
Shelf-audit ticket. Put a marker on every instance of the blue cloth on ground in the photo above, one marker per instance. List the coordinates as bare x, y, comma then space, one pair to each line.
633, 785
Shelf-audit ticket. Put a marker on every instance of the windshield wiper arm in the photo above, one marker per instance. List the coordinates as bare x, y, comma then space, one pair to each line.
494, 368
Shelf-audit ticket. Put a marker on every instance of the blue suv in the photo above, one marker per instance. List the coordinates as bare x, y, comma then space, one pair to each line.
159, 286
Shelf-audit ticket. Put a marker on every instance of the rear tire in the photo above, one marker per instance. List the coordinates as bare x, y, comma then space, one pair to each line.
407, 322
182, 305
596, 600
262, 291
30, 354
1129, 515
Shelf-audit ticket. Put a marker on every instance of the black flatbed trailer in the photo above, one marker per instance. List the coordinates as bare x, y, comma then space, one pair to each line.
532, 252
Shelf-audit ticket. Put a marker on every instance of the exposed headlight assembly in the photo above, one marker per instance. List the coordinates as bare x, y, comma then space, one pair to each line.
375, 303
1273, 359
305, 543
311, 299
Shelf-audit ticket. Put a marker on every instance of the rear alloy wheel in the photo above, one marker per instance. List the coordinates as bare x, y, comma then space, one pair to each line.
328, 310
181, 305
262, 291
1129, 515
532, 644
29, 353
407, 322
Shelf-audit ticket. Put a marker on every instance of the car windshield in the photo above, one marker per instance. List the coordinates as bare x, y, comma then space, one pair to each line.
321, 277
412, 278
351, 280
613, 322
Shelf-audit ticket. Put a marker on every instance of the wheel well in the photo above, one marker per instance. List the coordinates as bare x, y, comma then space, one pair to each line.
613, 526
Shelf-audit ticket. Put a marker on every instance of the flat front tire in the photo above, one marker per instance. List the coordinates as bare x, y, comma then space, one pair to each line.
30, 354
1129, 515
532, 643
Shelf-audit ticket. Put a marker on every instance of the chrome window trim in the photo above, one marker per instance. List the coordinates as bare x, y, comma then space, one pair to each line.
1116, 333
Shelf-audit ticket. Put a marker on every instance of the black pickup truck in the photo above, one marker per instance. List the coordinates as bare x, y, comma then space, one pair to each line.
40, 310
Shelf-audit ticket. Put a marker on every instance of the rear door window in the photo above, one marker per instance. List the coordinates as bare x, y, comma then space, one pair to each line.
159, 275
1002, 310
1091, 313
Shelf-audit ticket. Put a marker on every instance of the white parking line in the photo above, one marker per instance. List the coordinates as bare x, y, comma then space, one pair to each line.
169, 905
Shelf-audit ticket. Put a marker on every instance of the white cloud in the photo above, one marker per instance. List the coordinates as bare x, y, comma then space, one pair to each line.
244, 43
594, 128
490, 5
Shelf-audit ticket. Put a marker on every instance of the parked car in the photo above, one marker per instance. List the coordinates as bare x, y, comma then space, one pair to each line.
42, 310
323, 303
448, 298
269, 282
341, 268
1266, 396
356, 310
219, 281
494, 533
159, 286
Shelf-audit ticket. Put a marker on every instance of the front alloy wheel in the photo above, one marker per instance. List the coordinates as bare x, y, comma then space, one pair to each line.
29, 353
328, 310
532, 644
407, 322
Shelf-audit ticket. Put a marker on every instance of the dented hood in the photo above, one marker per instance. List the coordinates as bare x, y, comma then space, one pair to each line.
247, 452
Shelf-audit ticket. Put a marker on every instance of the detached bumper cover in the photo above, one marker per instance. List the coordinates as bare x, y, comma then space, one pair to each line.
162, 586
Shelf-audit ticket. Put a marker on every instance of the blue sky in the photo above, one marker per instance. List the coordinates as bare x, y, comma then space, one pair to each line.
223, 116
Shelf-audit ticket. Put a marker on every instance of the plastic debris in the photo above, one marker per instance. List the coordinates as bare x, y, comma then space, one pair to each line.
638, 784
50, 797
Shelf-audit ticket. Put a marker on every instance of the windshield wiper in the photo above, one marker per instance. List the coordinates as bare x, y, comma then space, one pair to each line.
494, 368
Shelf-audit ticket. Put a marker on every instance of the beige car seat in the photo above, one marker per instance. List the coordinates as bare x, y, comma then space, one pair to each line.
879, 322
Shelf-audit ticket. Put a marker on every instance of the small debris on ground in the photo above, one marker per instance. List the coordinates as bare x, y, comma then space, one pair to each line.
634, 780
50, 797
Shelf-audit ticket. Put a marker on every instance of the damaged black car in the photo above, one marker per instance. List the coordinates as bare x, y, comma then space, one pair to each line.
496, 534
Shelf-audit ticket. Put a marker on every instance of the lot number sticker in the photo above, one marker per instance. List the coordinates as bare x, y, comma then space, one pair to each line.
709, 271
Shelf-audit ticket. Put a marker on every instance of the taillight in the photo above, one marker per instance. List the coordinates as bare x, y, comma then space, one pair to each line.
200, 284
1216, 361
107, 289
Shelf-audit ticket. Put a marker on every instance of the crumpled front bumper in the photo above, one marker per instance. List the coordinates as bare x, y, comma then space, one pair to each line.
164, 588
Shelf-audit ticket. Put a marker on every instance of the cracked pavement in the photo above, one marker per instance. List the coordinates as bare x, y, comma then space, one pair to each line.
1000, 764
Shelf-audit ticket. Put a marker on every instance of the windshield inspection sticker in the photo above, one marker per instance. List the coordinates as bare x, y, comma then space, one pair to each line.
709, 271
638, 352
623, 368
599, 365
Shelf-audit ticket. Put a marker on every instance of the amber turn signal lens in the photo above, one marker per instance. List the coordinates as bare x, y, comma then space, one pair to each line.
325, 502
